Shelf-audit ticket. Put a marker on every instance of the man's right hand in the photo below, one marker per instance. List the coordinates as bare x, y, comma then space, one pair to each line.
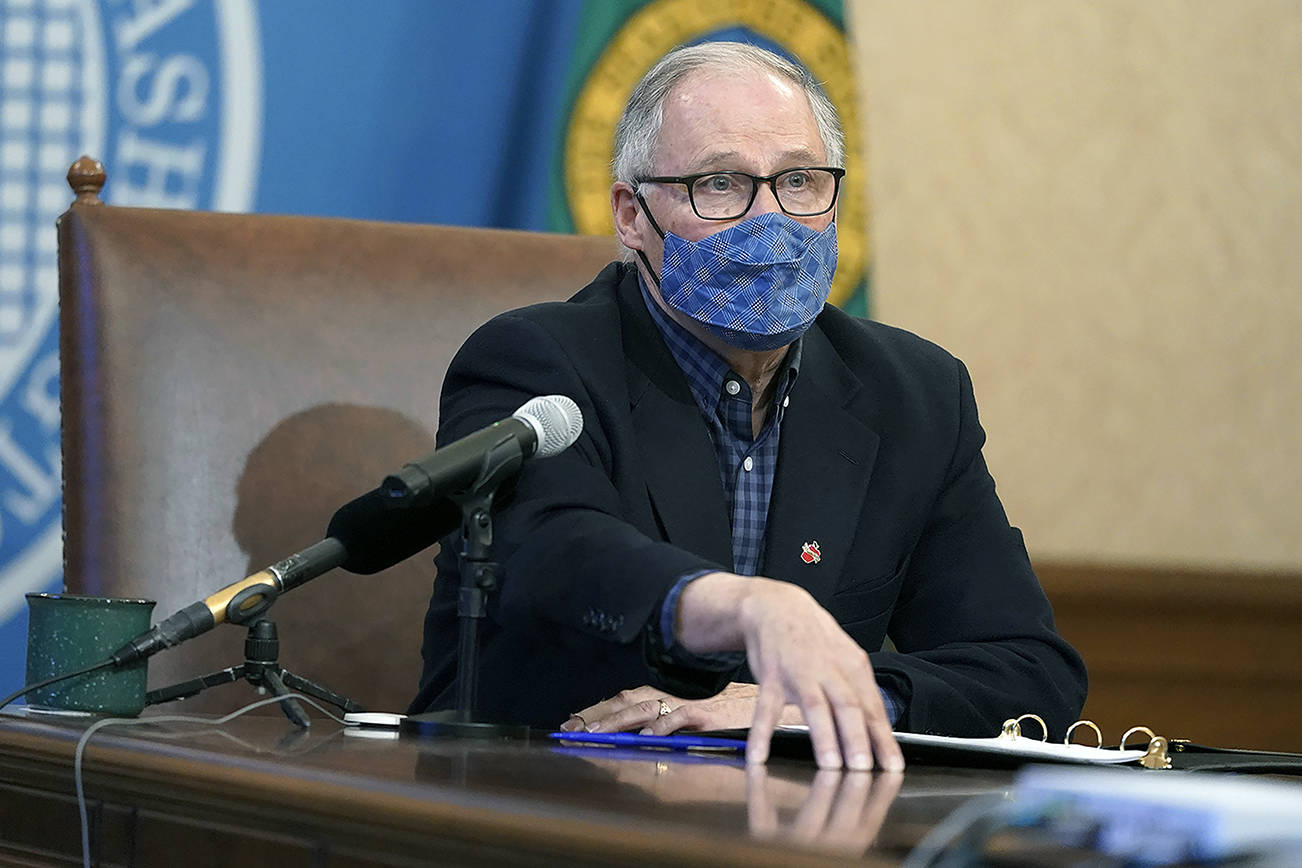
798, 654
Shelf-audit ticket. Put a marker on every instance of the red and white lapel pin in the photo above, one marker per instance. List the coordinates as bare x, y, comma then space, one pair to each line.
809, 552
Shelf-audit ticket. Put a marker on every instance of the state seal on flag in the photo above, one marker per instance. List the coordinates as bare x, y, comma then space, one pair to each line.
795, 29
168, 95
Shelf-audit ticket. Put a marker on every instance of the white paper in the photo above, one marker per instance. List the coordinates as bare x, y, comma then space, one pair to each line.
1027, 748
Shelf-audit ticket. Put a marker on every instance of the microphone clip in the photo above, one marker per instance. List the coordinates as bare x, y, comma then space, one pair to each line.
500, 463
251, 603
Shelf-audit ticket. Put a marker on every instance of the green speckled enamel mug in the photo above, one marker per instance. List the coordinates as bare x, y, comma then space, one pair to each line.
66, 632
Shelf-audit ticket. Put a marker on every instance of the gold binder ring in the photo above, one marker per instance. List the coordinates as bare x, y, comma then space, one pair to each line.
1091, 724
1013, 727
1134, 729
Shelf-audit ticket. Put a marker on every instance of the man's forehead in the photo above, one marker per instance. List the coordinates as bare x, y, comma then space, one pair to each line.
717, 119
712, 83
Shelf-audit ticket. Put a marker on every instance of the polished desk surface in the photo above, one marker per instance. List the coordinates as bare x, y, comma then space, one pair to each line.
258, 791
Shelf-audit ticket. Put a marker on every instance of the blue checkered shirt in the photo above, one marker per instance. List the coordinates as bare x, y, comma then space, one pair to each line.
747, 464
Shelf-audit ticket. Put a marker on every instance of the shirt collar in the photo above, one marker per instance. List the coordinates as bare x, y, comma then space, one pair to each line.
705, 369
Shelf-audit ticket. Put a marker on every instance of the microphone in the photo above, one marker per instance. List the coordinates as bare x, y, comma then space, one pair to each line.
412, 508
544, 426
244, 599
410, 511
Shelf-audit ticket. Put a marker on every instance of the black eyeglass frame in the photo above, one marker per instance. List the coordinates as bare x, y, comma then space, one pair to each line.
689, 180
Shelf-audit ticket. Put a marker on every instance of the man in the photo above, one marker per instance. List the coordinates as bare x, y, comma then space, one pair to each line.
764, 488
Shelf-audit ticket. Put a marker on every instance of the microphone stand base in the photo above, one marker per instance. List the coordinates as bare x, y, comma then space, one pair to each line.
453, 724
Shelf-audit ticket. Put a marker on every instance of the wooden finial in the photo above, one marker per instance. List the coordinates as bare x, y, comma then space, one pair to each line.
86, 178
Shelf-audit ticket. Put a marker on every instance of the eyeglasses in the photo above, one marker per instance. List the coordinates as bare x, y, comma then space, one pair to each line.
802, 192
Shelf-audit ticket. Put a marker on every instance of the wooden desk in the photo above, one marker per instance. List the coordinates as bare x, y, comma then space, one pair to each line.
1210, 655
258, 792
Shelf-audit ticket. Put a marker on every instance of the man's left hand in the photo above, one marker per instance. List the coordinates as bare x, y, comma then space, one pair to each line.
640, 710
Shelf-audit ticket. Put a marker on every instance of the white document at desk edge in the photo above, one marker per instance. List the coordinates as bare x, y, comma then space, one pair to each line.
1028, 748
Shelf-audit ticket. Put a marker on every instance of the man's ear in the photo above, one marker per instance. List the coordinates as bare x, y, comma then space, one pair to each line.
624, 207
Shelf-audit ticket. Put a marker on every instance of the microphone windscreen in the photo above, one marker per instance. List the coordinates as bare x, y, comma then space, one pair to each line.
378, 533
557, 420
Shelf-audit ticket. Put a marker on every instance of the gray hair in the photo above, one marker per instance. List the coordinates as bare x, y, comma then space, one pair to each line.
639, 126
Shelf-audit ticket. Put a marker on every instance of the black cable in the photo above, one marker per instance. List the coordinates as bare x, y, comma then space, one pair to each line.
94, 667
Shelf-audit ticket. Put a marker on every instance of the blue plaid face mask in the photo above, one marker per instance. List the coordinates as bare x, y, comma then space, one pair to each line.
757, 285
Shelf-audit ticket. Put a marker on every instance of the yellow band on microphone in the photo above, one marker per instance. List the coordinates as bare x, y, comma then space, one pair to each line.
217, 602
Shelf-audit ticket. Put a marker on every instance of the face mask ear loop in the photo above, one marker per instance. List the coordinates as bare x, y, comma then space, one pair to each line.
656, 227
651, 271
647, 211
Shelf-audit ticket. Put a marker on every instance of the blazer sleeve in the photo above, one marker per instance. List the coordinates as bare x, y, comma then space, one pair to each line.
573, 561
973, 629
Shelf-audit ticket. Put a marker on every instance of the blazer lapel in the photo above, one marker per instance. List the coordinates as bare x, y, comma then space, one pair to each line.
678, 459
825, 460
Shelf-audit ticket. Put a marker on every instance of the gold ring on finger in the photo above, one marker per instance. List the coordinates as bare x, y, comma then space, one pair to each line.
664, 708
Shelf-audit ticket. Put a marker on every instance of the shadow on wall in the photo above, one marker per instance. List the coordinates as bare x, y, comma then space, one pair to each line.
357, 635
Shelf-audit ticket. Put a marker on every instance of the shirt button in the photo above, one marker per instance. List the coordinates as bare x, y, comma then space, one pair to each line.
786, 402
748, 463
732, 387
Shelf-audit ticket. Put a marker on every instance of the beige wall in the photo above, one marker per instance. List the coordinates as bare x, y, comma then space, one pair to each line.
1098, 206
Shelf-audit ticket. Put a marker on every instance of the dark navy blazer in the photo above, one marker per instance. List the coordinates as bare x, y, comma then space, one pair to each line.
880, 464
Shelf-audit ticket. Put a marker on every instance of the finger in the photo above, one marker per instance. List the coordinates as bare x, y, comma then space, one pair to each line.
822, 729
853, 732
887, 750
618, 702
635, 716
663, 724
715, 713
889, 756
574, 724
768, 705
880, 734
